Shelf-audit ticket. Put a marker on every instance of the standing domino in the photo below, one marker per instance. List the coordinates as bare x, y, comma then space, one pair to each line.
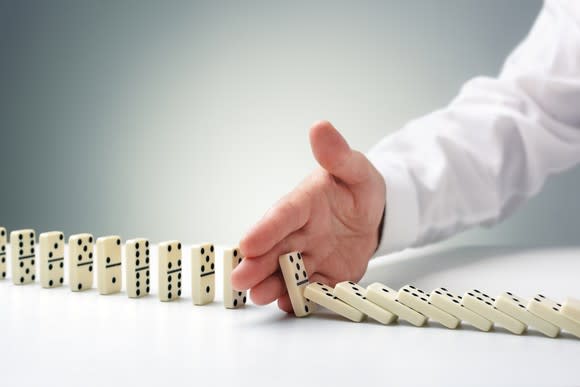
356, 296
513, 305
417, 299
323, 296
232, 298
22, 243
169, 270
296, 280
137, 267
386, 298
51, 251
203, 274
2, 253
550, 311
80, 262
109, 265
482, 304
571, 309
450, 303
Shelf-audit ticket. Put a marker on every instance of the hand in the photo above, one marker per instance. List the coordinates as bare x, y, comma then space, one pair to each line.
332, 217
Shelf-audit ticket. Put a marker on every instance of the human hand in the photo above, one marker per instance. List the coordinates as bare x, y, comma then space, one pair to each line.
332, 217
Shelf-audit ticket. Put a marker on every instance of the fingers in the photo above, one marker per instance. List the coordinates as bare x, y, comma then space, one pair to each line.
288, 215
268, 290
250, 272
335, 155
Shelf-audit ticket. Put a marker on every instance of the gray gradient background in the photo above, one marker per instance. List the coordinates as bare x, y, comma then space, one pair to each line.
188, 120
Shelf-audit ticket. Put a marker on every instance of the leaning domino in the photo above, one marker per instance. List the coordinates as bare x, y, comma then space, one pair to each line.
550, 311
323, 296
482, 304
450, 303
356, 296
296, 280
386, 298
513, 305
571, 309
417, 299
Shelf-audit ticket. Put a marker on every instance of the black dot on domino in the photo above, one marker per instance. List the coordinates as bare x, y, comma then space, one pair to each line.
50, 283
207, 289
113, 280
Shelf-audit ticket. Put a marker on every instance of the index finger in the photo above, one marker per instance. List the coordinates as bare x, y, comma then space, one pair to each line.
288, 215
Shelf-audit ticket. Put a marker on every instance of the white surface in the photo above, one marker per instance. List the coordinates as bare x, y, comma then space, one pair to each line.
54, 336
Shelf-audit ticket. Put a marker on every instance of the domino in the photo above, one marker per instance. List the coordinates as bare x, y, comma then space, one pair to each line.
356, 296
233, 299
386, 298
137, 269
323, 295
51, 257
417, 299
513, 305
2, 253
203, 274
550, 311
109, 265
482, 304
80, 262
571, 309
450, 303
22, 244
169, 270
296, 279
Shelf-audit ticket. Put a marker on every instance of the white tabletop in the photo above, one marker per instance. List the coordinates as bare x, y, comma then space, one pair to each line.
52, 337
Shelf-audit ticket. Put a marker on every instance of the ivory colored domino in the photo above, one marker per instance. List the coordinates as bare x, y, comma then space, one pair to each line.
386, 298
169, 275
451, 303
296, 279
233, 299
356, 296
51, 258
80, 262
137, 267
513, 305
109, 274
323, 296
482, 304
22, 248
203, 273
550, 311
571, 309
417, 299
2, 253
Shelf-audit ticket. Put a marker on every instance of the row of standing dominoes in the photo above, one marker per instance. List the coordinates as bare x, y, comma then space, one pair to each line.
108, 257
412, 304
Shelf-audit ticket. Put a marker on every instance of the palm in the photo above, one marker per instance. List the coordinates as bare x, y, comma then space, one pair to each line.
341, 228
333, 218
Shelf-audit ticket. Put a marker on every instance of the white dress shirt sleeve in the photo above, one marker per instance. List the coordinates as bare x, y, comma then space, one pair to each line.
475, 161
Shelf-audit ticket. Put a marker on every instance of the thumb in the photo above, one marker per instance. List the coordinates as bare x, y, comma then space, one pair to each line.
335, 155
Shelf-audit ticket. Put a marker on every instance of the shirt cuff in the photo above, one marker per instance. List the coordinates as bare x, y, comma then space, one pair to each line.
401, 223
